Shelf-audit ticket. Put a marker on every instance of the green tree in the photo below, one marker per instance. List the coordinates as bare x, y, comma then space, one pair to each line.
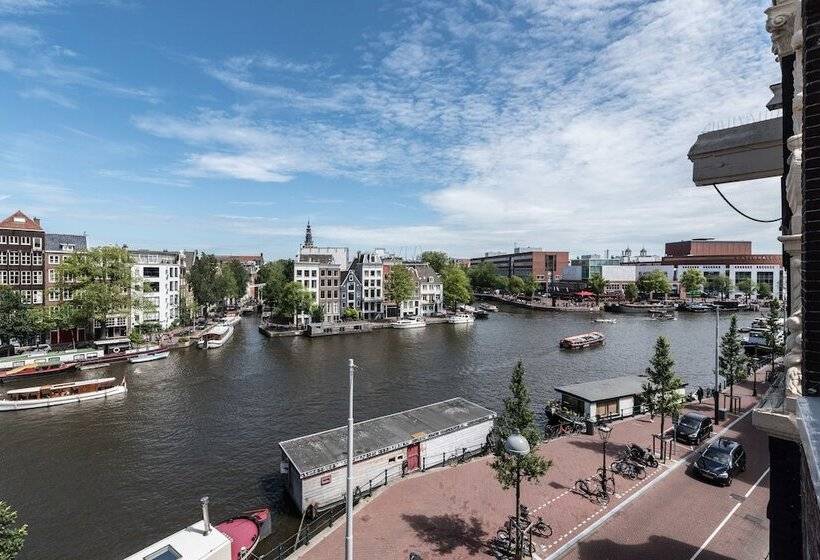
203, 281
41, 319
399, 285
655, 281
692, 281
597, 285
186, 317
764, 291
631, 292
274, 275
436, 259
517, 416
15, 317
732, 360
350, 314
502, 283
530, 285
660, 392
747, 287
66, 318
774, 332
317, 314
720, 284
101, 283
12, 537
517, 285
239, 285
483, 275
455, 285
292, 300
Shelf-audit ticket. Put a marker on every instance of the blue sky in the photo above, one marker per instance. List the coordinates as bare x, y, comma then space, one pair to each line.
466, 126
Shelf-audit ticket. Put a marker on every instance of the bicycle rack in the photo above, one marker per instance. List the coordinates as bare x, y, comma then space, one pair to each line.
664, 445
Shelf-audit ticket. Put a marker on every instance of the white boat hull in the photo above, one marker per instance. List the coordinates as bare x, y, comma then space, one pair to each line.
409, 325
460, 319
6, 405
149, 357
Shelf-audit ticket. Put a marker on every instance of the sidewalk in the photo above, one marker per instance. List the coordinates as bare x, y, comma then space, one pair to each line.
455, 512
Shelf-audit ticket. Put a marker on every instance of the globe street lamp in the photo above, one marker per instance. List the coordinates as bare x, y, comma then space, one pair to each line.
604, 431
517, 446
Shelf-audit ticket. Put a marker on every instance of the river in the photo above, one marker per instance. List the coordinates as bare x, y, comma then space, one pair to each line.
103, 479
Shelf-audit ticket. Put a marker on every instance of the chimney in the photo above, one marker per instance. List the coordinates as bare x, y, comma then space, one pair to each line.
36, 221
206, 519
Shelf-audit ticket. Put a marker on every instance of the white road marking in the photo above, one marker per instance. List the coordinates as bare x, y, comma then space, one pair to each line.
728, 517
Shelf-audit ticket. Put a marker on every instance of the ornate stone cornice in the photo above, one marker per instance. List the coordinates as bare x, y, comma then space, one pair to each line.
780, 22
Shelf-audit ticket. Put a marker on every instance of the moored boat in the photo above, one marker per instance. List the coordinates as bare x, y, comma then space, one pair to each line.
216, 337
481, 314
150, 357
61, 393
696, 307
609, 321
460, 318
488, 307
414, 323
24, 372
582, 340
232, 319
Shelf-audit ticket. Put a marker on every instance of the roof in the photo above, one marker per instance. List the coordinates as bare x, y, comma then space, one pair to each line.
18, 220
191, 542
239, 257
326, 451
604, 389
724, 444
56, 241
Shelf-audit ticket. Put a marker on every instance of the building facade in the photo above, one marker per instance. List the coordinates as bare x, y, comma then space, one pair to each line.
159, 274
58, 290
22, 244
544, 266
319, 270
577, 273
370, 271
251, 264
350, 291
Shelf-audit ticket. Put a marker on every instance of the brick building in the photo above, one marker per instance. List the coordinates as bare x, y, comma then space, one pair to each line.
544, 266
22, 241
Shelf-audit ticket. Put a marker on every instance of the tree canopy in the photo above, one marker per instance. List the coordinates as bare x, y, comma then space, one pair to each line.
12, 536
204, 281
660, 392
517, 415
274, 275
292, 299
692, 280
764, 291
436, 259
530, 285
516, 285
747, 287
655, 281
732, 360
399, 285
238, 278
774, 331
597, 285
483, 275
456, 286
631, 292
15, 316
720, 284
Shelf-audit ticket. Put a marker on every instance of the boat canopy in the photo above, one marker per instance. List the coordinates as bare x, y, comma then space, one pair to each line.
59, 386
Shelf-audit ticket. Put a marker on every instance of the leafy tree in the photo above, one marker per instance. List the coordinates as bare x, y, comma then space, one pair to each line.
317, 314
350, 313
66, 318
530, 285
631, 292
41, 320
692, 280
12, 537
747, 287
732, 360
517, 416
655, 281
15, 317
597, 285
502, 283
203, 279
102, 284
764, 291
436, 259
292, 300
456, 286
483, 275
720, 284
185, 315
516, 285
226, 286
274, 275
774, 332
660, 392
399, 285
239, 285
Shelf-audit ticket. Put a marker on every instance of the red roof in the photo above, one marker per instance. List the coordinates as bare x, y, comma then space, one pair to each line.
18, 220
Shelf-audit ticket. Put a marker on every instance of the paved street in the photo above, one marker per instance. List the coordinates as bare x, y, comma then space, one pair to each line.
454, 512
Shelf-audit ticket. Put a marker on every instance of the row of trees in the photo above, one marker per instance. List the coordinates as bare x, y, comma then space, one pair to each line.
213, 282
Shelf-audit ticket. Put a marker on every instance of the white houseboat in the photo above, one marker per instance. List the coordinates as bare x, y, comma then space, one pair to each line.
41, 359
460, 318
414, 323
216, 337
61, 393
149, 357
385, 448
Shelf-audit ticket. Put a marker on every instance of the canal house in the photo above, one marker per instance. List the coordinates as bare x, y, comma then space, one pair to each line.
385, 448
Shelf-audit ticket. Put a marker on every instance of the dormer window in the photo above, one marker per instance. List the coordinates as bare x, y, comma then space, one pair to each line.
19, 220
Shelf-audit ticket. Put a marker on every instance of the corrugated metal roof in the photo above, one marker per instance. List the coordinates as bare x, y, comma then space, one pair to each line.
605, 389
327, 450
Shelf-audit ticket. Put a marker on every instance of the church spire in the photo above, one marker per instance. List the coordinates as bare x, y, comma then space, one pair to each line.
308, 236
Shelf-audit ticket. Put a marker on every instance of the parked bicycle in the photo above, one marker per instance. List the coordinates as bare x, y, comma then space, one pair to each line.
641, 455
598, 489
626, 467
504, 540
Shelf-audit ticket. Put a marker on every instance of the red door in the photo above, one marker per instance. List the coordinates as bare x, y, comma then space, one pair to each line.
413, 457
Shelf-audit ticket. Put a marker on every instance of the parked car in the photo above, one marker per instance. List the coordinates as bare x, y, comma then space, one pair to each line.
693, 428
721, 461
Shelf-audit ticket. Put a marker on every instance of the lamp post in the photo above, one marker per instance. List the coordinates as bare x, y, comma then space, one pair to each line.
349, 520
717, 361
517, 446
604, 430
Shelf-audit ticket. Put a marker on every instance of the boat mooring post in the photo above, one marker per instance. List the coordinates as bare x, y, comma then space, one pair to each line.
349, 520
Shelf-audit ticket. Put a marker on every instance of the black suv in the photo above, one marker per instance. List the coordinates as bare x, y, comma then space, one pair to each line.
693, 428
721, 461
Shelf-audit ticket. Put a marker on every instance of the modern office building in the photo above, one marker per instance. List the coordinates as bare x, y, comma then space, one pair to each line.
159, 274
544, 266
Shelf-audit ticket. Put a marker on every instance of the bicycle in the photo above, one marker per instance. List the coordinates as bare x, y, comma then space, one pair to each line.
552, 431
541, 529
628, 469
596, 490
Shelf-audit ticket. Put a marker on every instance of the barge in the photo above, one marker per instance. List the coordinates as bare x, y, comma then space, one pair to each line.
585, 340
62, 393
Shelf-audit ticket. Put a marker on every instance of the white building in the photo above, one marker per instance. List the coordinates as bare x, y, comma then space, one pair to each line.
319, 270
159, 275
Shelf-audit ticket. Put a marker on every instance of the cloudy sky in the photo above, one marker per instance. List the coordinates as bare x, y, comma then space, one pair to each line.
461, 125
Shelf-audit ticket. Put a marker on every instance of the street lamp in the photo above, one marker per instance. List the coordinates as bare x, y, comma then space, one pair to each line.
517, 446
717, 362
604, 431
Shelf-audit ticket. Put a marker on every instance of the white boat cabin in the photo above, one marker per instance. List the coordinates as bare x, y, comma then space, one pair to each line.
192, 543
49, 358
61, 389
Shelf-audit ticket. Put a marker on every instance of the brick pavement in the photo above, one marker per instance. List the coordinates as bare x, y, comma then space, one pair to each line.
454, 512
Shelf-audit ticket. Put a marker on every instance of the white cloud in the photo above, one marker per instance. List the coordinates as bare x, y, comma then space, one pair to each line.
24, 6
43, 94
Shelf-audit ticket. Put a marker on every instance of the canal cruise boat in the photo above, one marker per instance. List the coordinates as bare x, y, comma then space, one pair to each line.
585, 340
61, 393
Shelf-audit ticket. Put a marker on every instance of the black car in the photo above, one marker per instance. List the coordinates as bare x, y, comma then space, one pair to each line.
693, 428
721, 461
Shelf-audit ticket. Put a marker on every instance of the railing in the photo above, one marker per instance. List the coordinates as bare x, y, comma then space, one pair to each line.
775, 397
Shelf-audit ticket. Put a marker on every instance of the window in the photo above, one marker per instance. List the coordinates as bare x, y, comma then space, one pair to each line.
25, 295
52, 275
54, 259
4, 239
25, 240
37, 260
25, 259
4, 277
4, 257
14, 277
167, 552
37, 296
54, 295
37, 277
14, 258
25, 277
67, 296
14, 240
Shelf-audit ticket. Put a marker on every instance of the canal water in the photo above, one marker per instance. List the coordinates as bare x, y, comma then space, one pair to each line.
101, 480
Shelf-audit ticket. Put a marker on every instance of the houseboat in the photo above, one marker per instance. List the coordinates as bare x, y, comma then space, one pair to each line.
696, 307
25, 372
414, 323
488, 307
41, 359
460, 318
607, 321
232, 319
585, 340
62, 393
386, 448
233, 539
150, 357
216, 337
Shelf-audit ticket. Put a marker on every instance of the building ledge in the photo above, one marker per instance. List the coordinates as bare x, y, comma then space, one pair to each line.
808, 426
775, 415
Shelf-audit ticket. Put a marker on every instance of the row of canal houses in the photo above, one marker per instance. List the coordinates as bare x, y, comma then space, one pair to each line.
338, 281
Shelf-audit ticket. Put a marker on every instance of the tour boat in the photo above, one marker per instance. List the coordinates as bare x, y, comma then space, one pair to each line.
460, 318
231, 319
233, 539
610, 321
150, 357
696, 307
62, 393
23, 372
488, 307
216, 337
408, 324
582, 340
